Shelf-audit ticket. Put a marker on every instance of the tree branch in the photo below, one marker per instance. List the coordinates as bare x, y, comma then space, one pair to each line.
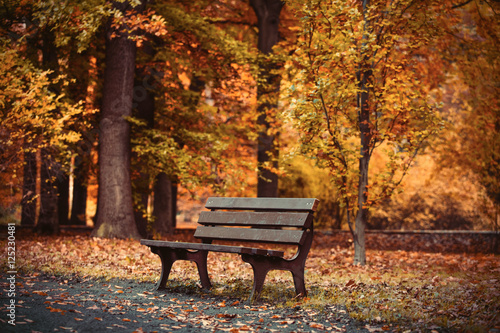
461, 4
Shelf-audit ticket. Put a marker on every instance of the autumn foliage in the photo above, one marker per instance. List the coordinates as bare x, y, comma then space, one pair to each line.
382, 97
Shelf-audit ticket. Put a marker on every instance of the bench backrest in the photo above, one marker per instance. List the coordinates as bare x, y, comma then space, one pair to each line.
257, 220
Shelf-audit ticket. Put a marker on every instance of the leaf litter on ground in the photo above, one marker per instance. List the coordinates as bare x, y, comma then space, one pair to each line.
409, 289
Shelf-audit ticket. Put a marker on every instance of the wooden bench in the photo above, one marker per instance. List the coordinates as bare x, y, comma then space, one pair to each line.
263, 220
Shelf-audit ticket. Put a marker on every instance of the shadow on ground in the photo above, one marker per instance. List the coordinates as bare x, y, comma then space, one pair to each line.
49, 304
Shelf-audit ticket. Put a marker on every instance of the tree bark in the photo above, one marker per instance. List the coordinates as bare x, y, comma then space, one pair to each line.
165, 205
364, 77
144, 102
364, 162
79, 202
115, 205
28, 202
268, 13
50, 172
62, 184
48, 216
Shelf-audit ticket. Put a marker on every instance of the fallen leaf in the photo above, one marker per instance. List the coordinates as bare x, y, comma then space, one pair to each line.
120, 326
350, 283
226, 315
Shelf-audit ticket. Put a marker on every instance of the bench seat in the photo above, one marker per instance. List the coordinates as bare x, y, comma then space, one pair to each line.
212, 248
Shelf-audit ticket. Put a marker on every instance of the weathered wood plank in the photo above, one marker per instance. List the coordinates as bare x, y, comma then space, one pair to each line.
251, 235
212, 247
283, 204
271, 219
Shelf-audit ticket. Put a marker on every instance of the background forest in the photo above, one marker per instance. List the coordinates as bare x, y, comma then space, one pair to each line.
126, 115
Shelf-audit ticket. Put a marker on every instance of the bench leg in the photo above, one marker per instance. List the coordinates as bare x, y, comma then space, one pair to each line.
262, 265
167, 261
298, 281
169, 256
201, 263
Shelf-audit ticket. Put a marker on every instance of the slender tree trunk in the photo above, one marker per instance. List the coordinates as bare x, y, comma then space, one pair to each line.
115, 205
50, 173
165, 205
165, 187
364, 77
364, 162
79, 202
268, 14
28, 202
48, 216
144, 102
62, 184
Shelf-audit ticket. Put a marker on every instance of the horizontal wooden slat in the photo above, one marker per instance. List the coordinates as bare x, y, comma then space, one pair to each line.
283, 204
271, 219
251, 235
211, 247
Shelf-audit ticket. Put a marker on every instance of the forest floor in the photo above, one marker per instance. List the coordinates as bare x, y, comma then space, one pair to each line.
73, 282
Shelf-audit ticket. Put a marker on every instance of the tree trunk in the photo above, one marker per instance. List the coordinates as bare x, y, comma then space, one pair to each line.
268, 13
364, 162
165, 187
79, 202
364, 77
50, 172
360, 223
165, 205
144, 102
62, 184
115, 205
48, 217
28, 202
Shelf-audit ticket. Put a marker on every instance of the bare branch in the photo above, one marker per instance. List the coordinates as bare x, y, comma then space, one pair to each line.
461, 4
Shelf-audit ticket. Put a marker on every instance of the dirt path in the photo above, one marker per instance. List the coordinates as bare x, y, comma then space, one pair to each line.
49, 304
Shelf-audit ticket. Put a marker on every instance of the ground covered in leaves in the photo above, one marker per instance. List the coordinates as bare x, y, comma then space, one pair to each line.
90, 284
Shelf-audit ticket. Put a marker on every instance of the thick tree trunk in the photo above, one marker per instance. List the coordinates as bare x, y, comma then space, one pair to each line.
268, 13
28, 202
115, 206
165, 205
